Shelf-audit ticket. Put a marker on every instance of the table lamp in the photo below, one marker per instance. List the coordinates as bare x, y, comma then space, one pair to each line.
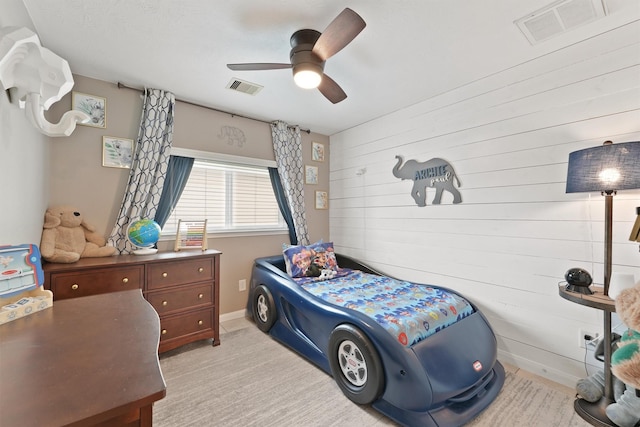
607, 168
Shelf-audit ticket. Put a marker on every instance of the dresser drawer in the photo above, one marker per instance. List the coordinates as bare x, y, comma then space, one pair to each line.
178, 299
180, 326
161, 275
97, 281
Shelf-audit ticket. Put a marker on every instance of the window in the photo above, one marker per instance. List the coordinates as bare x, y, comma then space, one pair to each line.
231, 196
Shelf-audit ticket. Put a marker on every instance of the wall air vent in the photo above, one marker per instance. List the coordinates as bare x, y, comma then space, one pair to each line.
558, 17
244, 87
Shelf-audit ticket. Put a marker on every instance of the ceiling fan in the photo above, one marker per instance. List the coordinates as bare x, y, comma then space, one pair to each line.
309, 51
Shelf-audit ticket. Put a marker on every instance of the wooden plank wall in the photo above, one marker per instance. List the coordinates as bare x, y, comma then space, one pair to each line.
508, 245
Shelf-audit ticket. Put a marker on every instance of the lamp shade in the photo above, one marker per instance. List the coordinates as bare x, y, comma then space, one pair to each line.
609, 167
620, 282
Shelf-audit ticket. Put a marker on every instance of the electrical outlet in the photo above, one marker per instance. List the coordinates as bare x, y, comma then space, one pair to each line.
242, 284
582, 342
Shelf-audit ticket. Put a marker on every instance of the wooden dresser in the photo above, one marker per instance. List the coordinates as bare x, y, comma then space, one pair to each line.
183, 287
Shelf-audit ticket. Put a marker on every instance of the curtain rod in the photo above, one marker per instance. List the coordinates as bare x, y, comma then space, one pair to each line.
123, 86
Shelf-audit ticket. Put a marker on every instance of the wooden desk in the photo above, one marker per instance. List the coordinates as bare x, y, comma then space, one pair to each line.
85, 361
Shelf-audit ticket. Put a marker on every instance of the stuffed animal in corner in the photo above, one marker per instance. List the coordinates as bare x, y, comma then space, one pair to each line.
66, 237
625, 361
625, 366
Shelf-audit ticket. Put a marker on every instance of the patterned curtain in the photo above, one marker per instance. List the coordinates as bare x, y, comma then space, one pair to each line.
149, 167
287, 146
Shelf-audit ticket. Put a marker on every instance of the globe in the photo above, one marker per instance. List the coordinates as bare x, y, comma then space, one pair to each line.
144, 233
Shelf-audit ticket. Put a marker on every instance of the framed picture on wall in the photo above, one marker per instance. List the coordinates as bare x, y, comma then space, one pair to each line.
322, 200
317, 152
310, 174
117, 152
94, 106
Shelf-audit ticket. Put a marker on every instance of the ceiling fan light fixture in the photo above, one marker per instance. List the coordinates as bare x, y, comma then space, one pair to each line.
310, 50
307, 76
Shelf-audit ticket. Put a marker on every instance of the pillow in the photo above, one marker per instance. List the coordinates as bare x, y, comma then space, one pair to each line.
287, 259
311, 260
325, 256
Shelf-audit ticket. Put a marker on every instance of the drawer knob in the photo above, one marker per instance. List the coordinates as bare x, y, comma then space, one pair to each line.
200, 270
200, 322
164, 274
200, 296
164, 332
125, 280
164, 303
74, 286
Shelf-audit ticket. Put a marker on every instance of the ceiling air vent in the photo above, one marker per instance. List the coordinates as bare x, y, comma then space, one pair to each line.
244, 87
559, 17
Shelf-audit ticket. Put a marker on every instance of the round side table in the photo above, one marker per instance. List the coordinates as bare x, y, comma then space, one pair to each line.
594, 413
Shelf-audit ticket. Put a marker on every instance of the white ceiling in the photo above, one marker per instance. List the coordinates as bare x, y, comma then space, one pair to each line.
411, 50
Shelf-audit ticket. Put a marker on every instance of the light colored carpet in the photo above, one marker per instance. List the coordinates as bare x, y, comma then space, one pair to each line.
251, 380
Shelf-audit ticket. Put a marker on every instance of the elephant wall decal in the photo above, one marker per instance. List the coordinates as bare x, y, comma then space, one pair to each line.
436, 173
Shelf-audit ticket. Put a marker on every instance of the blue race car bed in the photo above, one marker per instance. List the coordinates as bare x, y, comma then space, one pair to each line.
422, 355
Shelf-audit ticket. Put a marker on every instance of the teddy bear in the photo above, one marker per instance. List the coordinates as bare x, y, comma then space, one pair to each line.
625, 366
625, 361
66, 237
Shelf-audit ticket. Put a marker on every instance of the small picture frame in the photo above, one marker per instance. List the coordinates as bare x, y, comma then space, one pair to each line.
317, 152
117, 152
310, 174
94, 106
322, 200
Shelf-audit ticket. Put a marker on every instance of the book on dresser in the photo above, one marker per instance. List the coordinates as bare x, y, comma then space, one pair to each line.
183, 287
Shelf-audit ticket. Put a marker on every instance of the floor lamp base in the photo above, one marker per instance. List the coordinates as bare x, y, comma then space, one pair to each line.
594, 413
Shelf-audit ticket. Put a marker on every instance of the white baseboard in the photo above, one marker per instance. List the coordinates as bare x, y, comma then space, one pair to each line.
539, 369
233, 315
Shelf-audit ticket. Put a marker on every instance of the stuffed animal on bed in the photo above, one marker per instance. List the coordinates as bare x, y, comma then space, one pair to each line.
327, 274
66, 237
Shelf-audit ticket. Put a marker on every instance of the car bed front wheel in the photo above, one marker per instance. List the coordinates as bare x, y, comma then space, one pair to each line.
355, 364
264, 308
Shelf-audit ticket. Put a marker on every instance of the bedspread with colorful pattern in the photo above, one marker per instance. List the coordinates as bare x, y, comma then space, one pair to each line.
408, 311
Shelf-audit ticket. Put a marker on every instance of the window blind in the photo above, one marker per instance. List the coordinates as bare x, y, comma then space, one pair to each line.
230, 196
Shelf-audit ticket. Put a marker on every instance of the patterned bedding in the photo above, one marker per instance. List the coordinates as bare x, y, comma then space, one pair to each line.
408, 311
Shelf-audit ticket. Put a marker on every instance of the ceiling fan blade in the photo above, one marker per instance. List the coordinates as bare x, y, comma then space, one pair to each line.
339, 33
257, 66
331, 90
